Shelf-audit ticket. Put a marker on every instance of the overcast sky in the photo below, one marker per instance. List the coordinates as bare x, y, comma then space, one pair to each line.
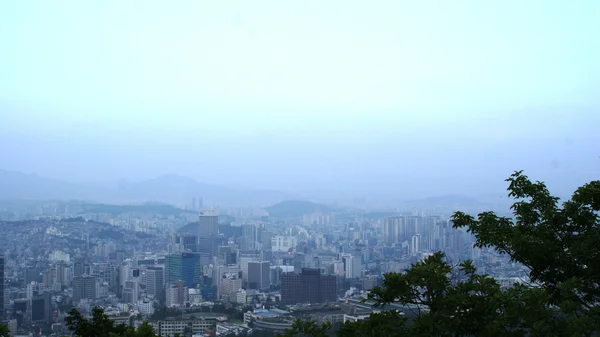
418, 97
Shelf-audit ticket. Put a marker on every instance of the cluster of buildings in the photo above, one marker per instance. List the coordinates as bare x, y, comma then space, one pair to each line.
257, 271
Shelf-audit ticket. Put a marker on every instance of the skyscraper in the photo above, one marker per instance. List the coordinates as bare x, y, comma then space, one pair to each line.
154, 279
184, 266
191, 269
208, 224
249, 237
173, 267
259, 275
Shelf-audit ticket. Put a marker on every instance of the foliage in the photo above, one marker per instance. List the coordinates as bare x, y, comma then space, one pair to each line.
558, 244
4, 330
102, 326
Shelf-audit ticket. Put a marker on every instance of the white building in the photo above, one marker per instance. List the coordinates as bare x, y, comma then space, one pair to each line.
146, 307
415, 244
59, 255
352, 266
283, 243
229, 285
194, 297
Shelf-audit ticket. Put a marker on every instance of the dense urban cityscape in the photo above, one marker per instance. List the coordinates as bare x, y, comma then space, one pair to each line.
273, 168
195, 272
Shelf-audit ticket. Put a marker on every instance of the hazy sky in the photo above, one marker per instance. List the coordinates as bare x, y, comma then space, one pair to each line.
420, 97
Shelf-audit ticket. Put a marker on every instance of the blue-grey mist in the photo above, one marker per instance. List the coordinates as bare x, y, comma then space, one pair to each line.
385, 99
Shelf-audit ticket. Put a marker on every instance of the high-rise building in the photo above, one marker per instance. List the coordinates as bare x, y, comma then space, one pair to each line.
62, 274
190, 242
191, 269
415, 244
249, 237
176, 294
352, 266
309, 286
393, 229
154, 280
40, 308
106, 272
244, 259
131, 292
259, 275
229, 284
173, 267
208, 224
2, 287
78, 268
85, 287
185, 266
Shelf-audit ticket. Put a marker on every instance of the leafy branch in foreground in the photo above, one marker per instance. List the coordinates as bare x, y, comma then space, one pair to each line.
559, 245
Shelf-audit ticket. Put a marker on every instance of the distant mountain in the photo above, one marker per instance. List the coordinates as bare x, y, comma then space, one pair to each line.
162, 209
451, 203
180, 190
295, 208
170, 189
17, 185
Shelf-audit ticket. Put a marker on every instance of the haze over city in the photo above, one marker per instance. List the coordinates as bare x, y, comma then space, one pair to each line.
399, 98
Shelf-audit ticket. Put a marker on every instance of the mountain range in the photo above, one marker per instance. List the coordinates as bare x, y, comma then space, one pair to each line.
172, 189
179, 190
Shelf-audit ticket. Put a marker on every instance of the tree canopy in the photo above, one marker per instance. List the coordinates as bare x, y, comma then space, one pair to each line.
4, 330
559, 244
102, 326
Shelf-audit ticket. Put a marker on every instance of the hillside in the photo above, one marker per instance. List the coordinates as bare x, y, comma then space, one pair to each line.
171, 189
295, 208
160, 209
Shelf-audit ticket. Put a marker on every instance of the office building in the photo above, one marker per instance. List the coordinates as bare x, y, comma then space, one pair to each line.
259, 275
185, 266
190, 242
208, 224
106, 272
131, 292
85, 287
249, 237
283, 243
173, 267
41, 308
309, 286
176, 294
229, 284
78, 268
352, 266
154, 280
245, 258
